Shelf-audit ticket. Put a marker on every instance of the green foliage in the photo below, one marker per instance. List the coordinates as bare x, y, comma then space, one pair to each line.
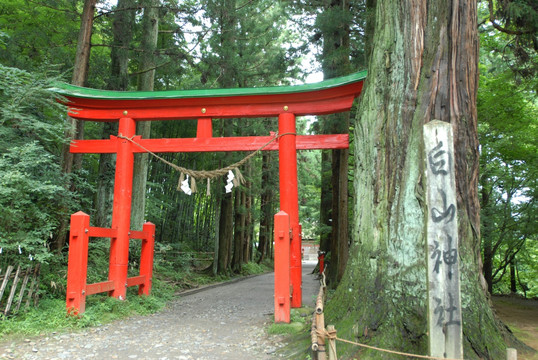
508, 129
513, 24
32, 190
253, 268
30, 38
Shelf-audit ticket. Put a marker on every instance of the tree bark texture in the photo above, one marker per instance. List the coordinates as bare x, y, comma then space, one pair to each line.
150, 24
266, 208
340, 229
422, 66
325, 203
227, 22
239, 234
335, 27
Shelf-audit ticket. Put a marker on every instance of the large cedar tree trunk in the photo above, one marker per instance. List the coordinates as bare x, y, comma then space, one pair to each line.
335, 28
422, 66
227, 25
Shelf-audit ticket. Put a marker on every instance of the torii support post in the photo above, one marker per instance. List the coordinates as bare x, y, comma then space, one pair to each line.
121, 210
282, 268
146, 258
289, 198
77, 263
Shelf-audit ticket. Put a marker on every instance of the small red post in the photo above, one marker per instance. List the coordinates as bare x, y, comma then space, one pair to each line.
146, 258
282, 267
289, 198
121, 209
77, 263
205, 128
321, 259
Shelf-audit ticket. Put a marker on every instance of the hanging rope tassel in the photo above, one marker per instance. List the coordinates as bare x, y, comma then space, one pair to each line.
193, 184
181, 179
208, 192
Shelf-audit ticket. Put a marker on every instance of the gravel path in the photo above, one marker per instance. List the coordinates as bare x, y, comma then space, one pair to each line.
222, 322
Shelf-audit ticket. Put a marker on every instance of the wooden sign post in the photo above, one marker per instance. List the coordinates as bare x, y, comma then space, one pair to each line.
444, 302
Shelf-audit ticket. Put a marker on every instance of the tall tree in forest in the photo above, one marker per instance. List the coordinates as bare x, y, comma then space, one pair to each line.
508, 130
150, 30
507, 114
122, 25
225, 18
245, 49
334, 23
422, 66
75, 129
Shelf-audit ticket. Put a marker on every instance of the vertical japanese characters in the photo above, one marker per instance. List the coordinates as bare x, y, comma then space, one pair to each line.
442, 242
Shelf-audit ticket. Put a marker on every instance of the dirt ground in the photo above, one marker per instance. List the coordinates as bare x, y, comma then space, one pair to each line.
521, 316
217, 322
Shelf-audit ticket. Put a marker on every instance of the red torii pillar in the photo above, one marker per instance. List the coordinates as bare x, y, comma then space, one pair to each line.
121, 209
289, 199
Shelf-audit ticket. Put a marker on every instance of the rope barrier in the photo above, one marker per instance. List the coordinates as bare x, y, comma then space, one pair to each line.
322, 333
392, 351
206, 174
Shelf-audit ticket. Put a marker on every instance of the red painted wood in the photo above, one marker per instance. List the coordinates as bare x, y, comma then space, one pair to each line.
146, 258
289, 199
134, 234
121, 209
250, 143
282, 267
77, 263
205, 128
136, 280
101, 287
102, 232
318, 102
320, 107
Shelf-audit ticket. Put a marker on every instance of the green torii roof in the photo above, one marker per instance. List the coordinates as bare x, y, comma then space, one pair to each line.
88, 93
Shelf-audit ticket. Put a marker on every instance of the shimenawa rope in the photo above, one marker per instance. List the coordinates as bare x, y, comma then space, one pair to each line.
207, 174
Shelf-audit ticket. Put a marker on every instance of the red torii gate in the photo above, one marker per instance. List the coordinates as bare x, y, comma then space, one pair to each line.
285, 102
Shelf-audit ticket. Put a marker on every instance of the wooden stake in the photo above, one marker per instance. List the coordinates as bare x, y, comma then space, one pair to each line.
511, 354
23, 288
13, 290
6, 279
332, 342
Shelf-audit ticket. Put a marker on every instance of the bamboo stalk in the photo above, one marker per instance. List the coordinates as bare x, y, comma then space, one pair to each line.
314, 334
320, 324
319, 301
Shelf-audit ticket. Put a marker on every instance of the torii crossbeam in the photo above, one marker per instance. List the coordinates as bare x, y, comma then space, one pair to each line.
284, 102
